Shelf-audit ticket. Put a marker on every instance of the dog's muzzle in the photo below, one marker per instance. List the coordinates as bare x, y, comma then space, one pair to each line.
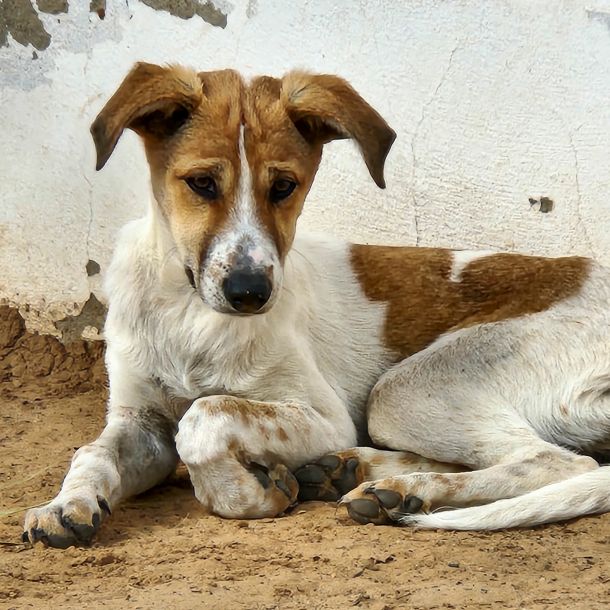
247, 291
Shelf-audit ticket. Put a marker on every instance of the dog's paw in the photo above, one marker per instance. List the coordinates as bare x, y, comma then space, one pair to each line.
248, 490
64, 523
382, 502
330, 477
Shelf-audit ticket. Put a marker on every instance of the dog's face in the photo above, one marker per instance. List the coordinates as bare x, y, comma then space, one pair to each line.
231, 165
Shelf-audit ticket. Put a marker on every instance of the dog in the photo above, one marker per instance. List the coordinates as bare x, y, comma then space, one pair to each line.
278, 365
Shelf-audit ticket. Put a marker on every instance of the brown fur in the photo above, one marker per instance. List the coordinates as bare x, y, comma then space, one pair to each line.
424, 303
190, 125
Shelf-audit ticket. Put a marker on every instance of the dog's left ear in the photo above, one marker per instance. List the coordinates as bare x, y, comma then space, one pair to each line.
152, 100
324, 107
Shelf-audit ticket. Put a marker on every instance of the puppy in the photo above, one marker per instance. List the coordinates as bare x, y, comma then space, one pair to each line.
252, 353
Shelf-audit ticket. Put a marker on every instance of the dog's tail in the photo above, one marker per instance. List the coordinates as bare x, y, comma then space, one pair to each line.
584, 494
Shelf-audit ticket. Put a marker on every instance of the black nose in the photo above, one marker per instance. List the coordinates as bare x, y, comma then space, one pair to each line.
247, 291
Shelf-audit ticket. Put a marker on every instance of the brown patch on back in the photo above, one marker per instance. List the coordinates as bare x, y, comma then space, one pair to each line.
424, 303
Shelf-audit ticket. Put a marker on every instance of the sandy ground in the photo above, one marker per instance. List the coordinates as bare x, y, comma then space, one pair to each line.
161, 550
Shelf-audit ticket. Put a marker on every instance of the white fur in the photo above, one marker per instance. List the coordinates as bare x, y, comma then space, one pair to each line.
580, 495
304, 351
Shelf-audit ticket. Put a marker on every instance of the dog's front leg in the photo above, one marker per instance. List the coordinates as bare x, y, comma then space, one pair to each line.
239, 452
134, 452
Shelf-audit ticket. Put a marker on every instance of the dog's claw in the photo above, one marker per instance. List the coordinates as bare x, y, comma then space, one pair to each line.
283, 487
104, 505
278, 478
261, 473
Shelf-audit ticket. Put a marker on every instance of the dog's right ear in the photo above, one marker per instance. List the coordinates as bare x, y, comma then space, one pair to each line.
324, 107
153, 100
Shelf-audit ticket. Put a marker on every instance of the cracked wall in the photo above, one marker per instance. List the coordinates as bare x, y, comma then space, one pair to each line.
501, 111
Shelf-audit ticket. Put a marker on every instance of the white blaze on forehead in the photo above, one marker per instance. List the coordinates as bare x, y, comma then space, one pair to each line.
462, 258
247, 230
244, 206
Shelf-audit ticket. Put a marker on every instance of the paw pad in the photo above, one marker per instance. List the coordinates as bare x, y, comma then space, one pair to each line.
328, 479
380, 506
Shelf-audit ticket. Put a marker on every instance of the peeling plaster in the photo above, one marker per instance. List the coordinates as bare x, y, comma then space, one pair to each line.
544, 205
20, 19
53, 7
99, 7
87, 324
78, 32
92, 268
186, 9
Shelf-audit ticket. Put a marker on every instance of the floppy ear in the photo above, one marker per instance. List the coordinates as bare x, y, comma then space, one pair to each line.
324, 107
153, 100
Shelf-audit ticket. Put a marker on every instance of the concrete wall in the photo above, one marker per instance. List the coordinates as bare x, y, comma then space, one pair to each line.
497, 104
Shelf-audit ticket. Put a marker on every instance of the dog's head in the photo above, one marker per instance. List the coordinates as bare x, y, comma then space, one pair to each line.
231, 165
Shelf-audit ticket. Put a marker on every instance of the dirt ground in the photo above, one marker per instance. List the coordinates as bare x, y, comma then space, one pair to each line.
161, 550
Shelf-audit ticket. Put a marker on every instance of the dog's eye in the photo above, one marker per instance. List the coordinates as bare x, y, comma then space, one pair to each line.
281, 189
204, 186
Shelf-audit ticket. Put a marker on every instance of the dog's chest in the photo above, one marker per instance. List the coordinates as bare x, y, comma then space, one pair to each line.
192, 352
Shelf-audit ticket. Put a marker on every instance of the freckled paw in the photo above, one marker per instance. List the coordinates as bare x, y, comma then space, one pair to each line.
329, 478
371, 504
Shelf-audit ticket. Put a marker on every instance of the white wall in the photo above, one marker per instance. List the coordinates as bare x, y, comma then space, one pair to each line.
494, 102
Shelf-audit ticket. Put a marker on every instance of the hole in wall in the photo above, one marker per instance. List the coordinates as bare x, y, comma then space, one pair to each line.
543, 204
92, 267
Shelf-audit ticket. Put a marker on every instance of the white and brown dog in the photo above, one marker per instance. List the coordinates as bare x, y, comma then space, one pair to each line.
251, 353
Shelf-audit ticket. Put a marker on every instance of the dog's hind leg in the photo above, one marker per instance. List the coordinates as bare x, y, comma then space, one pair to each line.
466, 399
390, 499
335, 474
584, 494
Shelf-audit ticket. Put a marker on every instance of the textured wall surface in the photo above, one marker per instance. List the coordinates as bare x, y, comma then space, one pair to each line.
496, 104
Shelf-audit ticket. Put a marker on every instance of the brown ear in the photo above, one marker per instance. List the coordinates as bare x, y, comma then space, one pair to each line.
325, 107
152, 100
